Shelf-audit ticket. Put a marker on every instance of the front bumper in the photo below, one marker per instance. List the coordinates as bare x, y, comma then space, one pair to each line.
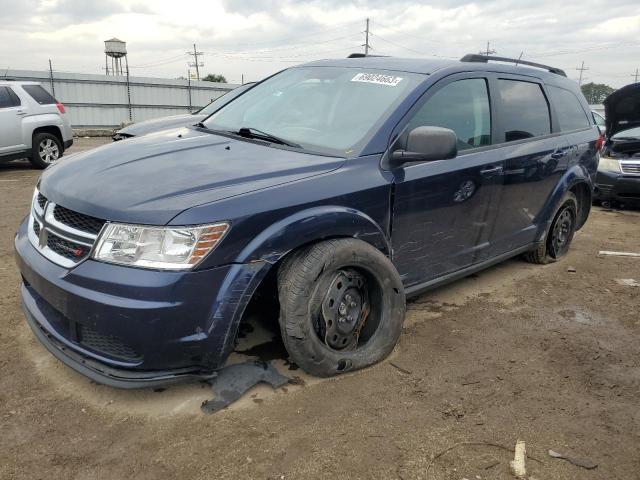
129, 327
617, 187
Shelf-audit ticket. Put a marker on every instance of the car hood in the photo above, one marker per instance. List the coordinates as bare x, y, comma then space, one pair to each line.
622, 109
151, 179
163, 123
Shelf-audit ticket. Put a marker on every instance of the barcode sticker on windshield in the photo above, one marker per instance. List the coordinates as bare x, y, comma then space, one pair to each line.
378, 79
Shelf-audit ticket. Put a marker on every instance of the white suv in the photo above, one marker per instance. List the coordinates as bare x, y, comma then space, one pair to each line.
33, 124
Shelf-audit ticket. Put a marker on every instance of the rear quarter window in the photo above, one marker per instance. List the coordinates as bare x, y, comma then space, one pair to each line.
525, 111
8, 98
39, 94
571, 115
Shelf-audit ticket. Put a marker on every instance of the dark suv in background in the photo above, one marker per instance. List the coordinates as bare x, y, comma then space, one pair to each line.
328, 192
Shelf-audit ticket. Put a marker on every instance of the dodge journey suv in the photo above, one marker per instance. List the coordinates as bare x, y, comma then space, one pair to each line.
331, 192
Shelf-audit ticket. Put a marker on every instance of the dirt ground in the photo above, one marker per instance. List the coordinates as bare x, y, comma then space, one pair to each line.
537, 353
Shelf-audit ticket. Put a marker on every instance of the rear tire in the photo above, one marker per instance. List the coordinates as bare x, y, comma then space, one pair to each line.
342, 306
46, 150
558, 239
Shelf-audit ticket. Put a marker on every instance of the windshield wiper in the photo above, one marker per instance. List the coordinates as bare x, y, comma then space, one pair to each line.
251, 132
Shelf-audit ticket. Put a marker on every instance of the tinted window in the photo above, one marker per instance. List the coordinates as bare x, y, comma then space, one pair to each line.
39, 94
568, 109
8, 98
461, 106
525, 112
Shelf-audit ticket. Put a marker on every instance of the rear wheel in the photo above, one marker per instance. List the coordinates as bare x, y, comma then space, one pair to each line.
46, 150
560, 234
341, 306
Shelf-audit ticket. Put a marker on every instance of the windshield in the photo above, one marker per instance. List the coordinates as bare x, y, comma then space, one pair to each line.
332, 110
222, 100
631, 133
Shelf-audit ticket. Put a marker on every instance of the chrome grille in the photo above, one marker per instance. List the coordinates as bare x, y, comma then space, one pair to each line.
63, 236
630, 168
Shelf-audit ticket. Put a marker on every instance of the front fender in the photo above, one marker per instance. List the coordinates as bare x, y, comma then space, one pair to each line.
575, 175
313, 225
256, 260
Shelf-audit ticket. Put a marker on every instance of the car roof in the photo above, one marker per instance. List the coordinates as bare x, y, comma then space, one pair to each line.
426, 66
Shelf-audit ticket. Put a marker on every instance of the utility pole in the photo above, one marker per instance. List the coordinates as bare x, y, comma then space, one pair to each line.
636, 76
581, 69
488, 51
366, 39
195, 63
189, 88
53, 88
128, 88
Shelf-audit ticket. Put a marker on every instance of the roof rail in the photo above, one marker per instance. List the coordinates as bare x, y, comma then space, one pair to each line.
363, 55
474, 57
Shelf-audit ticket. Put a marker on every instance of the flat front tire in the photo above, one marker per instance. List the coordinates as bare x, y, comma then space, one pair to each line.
342, 306
558, 239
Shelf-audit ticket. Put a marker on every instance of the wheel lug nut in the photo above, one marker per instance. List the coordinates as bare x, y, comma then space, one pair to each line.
353, 304
350, 318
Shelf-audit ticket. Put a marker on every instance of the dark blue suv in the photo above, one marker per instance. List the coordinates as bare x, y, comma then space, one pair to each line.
329, 192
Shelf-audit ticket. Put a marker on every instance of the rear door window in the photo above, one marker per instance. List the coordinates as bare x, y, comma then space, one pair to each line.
8, 98
525, 111
39, 94
571, 115
462, 106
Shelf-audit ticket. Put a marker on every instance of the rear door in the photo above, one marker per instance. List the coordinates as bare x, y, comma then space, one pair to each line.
441, 209
574, 122
535, 157
11, 114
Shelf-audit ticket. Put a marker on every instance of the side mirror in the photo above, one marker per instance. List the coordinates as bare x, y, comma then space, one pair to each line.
426, 144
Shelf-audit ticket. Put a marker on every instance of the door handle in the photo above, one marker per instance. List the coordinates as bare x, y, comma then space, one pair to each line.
558, 154
491, 171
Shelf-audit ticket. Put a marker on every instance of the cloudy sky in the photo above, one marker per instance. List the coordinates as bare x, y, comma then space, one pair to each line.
257, 37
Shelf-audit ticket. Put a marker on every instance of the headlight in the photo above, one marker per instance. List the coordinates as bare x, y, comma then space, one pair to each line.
170, 248
608, 164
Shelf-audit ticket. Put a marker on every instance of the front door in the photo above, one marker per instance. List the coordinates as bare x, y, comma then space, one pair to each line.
11, 120
442, 209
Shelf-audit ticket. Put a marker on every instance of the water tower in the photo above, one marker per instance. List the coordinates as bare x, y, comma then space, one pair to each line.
115, 50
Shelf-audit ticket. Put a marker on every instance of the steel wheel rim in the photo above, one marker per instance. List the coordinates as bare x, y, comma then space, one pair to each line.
344, 311
48, 151
562, 232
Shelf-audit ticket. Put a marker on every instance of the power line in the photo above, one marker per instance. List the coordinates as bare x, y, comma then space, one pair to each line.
285, 39
422, 54
424, 39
